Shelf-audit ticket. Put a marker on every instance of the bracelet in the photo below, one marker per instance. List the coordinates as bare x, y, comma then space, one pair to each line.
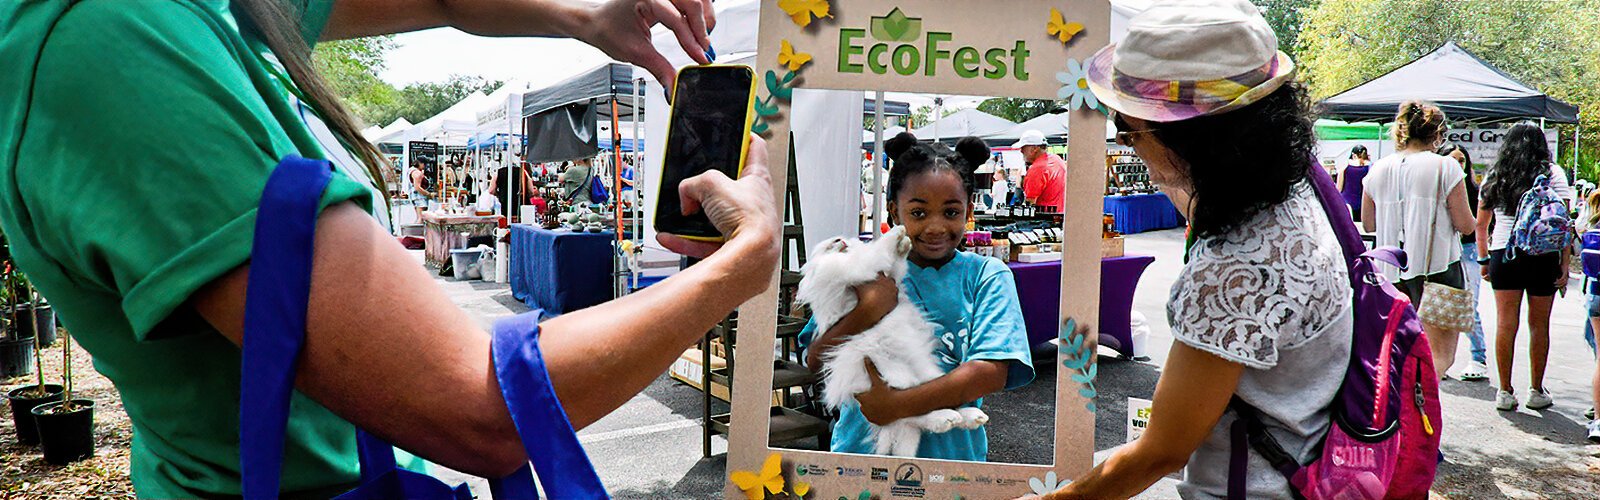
1484, 260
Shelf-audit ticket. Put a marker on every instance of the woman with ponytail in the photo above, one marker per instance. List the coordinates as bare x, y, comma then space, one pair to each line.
971, 301
135, 141
1417, 200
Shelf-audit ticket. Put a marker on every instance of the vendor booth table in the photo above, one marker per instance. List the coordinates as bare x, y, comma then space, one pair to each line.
560, 271
442, 233
1137, 213
1039, 291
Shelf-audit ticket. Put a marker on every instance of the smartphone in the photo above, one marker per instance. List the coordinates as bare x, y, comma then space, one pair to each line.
709, 129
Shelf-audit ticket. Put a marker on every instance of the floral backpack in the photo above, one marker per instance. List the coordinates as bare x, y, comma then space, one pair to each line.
1542, 226
1386, 423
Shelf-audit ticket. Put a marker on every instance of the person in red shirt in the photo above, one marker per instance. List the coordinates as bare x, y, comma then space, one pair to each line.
1045, 185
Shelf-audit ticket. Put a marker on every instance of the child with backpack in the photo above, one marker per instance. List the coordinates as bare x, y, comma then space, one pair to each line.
1589, 256
1524, 216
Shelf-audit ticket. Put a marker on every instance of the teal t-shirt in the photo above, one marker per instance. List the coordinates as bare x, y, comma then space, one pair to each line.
972, 303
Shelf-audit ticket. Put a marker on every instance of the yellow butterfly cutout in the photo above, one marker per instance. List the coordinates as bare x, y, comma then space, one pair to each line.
800, 489
788, 57
771, 478
1062, 29
803, 10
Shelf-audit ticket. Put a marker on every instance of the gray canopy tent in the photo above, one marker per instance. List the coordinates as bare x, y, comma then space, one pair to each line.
1463, 85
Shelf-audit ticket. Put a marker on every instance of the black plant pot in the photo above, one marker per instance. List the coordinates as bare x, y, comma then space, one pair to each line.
22, 410
44, 316
16, 357
66, 437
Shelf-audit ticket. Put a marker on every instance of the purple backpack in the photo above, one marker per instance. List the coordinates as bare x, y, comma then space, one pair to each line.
1384, 438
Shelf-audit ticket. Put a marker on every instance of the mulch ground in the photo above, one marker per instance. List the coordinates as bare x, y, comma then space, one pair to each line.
23, 471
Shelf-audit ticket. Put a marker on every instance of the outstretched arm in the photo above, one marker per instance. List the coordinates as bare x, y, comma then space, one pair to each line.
388, 351
620, 28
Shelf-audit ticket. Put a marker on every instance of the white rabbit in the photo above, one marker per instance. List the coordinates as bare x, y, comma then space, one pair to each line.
901, 345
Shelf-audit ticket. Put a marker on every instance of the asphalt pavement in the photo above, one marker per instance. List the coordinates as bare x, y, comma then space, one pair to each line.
651, 446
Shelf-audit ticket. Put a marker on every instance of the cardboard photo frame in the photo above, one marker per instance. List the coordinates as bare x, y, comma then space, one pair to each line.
1012, 48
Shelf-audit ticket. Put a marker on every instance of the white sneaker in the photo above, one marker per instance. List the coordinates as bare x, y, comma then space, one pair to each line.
1475, 371
1505, 401
1539, 399
1594, 431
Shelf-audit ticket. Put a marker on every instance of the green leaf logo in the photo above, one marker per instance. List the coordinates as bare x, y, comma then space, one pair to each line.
896, 27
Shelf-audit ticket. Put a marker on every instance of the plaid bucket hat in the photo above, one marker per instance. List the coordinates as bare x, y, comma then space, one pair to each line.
1187, 58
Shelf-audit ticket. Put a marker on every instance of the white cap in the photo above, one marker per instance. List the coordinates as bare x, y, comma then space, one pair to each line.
1030, 138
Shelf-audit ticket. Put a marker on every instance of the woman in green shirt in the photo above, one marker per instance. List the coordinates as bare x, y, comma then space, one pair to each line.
135, 139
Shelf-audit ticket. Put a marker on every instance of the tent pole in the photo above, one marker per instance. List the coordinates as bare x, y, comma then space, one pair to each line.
617, 281
637, 211
877, 156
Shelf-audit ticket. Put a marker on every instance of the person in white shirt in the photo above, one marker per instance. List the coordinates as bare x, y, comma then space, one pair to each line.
1523, 158
1416, 200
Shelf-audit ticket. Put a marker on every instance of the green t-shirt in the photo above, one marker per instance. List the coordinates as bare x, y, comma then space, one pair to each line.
135, 139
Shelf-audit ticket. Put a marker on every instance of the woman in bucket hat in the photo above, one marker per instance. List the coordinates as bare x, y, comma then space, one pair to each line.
1261, 310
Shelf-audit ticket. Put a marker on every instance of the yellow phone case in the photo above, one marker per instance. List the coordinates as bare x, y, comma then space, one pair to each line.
749, 116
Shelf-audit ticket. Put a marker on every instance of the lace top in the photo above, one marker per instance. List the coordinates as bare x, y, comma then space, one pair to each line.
1272, 295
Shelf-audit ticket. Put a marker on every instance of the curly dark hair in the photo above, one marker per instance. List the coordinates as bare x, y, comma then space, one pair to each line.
1245, 161
912, 157
1524, 157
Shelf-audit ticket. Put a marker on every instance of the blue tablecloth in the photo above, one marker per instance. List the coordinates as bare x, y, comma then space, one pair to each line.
1137, 213
560, 271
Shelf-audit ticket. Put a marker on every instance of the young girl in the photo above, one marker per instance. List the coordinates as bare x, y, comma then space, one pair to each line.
971, 301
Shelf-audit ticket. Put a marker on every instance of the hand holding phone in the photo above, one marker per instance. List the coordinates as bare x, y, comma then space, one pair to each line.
708, 130
743, 209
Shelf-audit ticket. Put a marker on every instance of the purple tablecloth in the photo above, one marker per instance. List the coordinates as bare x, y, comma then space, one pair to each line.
1039, 291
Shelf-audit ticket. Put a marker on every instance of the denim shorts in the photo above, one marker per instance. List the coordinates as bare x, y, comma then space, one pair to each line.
1594, 306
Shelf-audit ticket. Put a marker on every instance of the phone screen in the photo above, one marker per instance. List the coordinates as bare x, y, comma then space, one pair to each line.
710, 112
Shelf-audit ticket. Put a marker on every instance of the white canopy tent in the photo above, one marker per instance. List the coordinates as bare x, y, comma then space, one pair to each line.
452, 126
961, 124
391, 133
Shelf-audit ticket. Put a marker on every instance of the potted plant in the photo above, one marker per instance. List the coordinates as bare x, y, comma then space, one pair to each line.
66, 427
17, 351
31, 309
24, 399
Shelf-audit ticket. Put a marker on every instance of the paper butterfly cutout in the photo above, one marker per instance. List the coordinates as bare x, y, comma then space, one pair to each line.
771, 478
1060, 28
788, 57
800, 489
803, 10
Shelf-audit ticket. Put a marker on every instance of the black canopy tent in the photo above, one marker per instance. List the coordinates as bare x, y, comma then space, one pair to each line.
565, 115
1466, 87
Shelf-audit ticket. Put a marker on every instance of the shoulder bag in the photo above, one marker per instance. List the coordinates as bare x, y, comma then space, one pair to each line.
1443, 306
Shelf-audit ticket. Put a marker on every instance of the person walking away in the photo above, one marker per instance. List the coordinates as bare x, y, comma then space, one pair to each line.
1589, 242
1416, 199
1262, 311
1478, 367
1045, 184
1001, 191
1514, 273
1350, 176
575, 182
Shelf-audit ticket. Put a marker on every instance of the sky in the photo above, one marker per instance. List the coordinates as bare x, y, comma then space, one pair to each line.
433, 55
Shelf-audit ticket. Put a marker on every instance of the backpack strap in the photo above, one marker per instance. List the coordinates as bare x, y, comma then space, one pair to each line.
1248, 433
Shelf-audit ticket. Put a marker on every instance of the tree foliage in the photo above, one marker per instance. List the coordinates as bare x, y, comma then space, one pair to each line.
1019, 110
1287, 18
351, 68
1549, 45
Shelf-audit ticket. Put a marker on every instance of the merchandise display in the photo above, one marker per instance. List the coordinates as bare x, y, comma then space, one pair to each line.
1127, 174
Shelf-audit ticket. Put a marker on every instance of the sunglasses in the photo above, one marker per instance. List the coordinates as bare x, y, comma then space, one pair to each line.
1125, 134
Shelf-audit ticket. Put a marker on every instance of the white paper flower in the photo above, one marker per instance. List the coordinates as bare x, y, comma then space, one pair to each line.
1046, 486
1075, 87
